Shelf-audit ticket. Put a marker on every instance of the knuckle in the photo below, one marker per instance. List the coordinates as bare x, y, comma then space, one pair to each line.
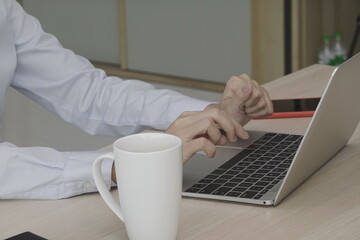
244, 76
257, 94
208, 122
202, 142
216, 112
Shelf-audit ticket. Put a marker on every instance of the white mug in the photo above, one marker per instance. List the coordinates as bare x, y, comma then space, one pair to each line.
149, 179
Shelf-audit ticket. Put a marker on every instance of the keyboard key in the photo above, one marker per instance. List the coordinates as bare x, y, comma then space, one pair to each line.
218, 171
279, 137
240, 189
276, 150
293, 137
253, 167
267, 179
260, 162
281, 147
272, 174
251, 180
256, 188
233, 194
268, 167
232, 172
270, 154
284, 165
293, 147
275, 181
199, 185
192, 190
249, 159
243, 164
261, 183
226, 176
284, 154
242, 175
266, 148
265, 158
275, 162
210, 188
268, 187
230, 184
263, 192
271, 144
269, 134
205, 180
221, 191
257, 175
236, 180
221, 181
255, 155
245, 184
258, 196
260, 151
279, 170
211, 176
248, 194
237, 168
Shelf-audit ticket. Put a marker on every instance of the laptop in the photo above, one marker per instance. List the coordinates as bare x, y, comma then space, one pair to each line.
269, 166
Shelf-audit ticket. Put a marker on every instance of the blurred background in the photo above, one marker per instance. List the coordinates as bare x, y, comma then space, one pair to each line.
189, 46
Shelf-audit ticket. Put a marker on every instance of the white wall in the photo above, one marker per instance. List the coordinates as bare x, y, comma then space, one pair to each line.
201, 39
88, 27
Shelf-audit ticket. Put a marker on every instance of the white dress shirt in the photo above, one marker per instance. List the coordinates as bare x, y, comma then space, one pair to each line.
35, 63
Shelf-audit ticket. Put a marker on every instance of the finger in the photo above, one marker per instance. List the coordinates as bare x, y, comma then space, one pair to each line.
232, 128
262, 108
202, 121
198, 144
255, 97
240, 131
238, 88
214, 134
245, 77
208, 128
269, 102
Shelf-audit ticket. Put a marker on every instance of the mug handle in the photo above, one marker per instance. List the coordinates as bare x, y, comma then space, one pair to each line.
100, 184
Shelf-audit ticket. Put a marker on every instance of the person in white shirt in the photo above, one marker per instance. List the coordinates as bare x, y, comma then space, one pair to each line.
35, 63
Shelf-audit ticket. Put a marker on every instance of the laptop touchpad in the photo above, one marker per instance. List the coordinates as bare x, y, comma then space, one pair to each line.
200, 165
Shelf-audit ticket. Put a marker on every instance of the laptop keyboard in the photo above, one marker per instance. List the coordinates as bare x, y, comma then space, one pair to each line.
254, 171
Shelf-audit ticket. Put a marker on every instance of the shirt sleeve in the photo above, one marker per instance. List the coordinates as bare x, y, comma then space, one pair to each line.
69, 86
44, 173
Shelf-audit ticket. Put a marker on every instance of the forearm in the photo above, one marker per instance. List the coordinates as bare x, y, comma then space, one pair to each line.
44, 173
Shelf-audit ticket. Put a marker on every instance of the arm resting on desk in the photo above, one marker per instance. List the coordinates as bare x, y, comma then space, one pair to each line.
44, 173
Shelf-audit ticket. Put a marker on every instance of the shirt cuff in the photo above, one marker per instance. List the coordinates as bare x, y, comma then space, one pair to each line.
78, 172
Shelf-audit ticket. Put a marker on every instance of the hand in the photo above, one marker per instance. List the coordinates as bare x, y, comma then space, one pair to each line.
243, 99
201, 131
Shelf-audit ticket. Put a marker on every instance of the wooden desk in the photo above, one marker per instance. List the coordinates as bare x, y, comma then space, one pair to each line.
327, 206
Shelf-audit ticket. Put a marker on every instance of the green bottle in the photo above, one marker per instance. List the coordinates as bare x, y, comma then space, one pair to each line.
339, 50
